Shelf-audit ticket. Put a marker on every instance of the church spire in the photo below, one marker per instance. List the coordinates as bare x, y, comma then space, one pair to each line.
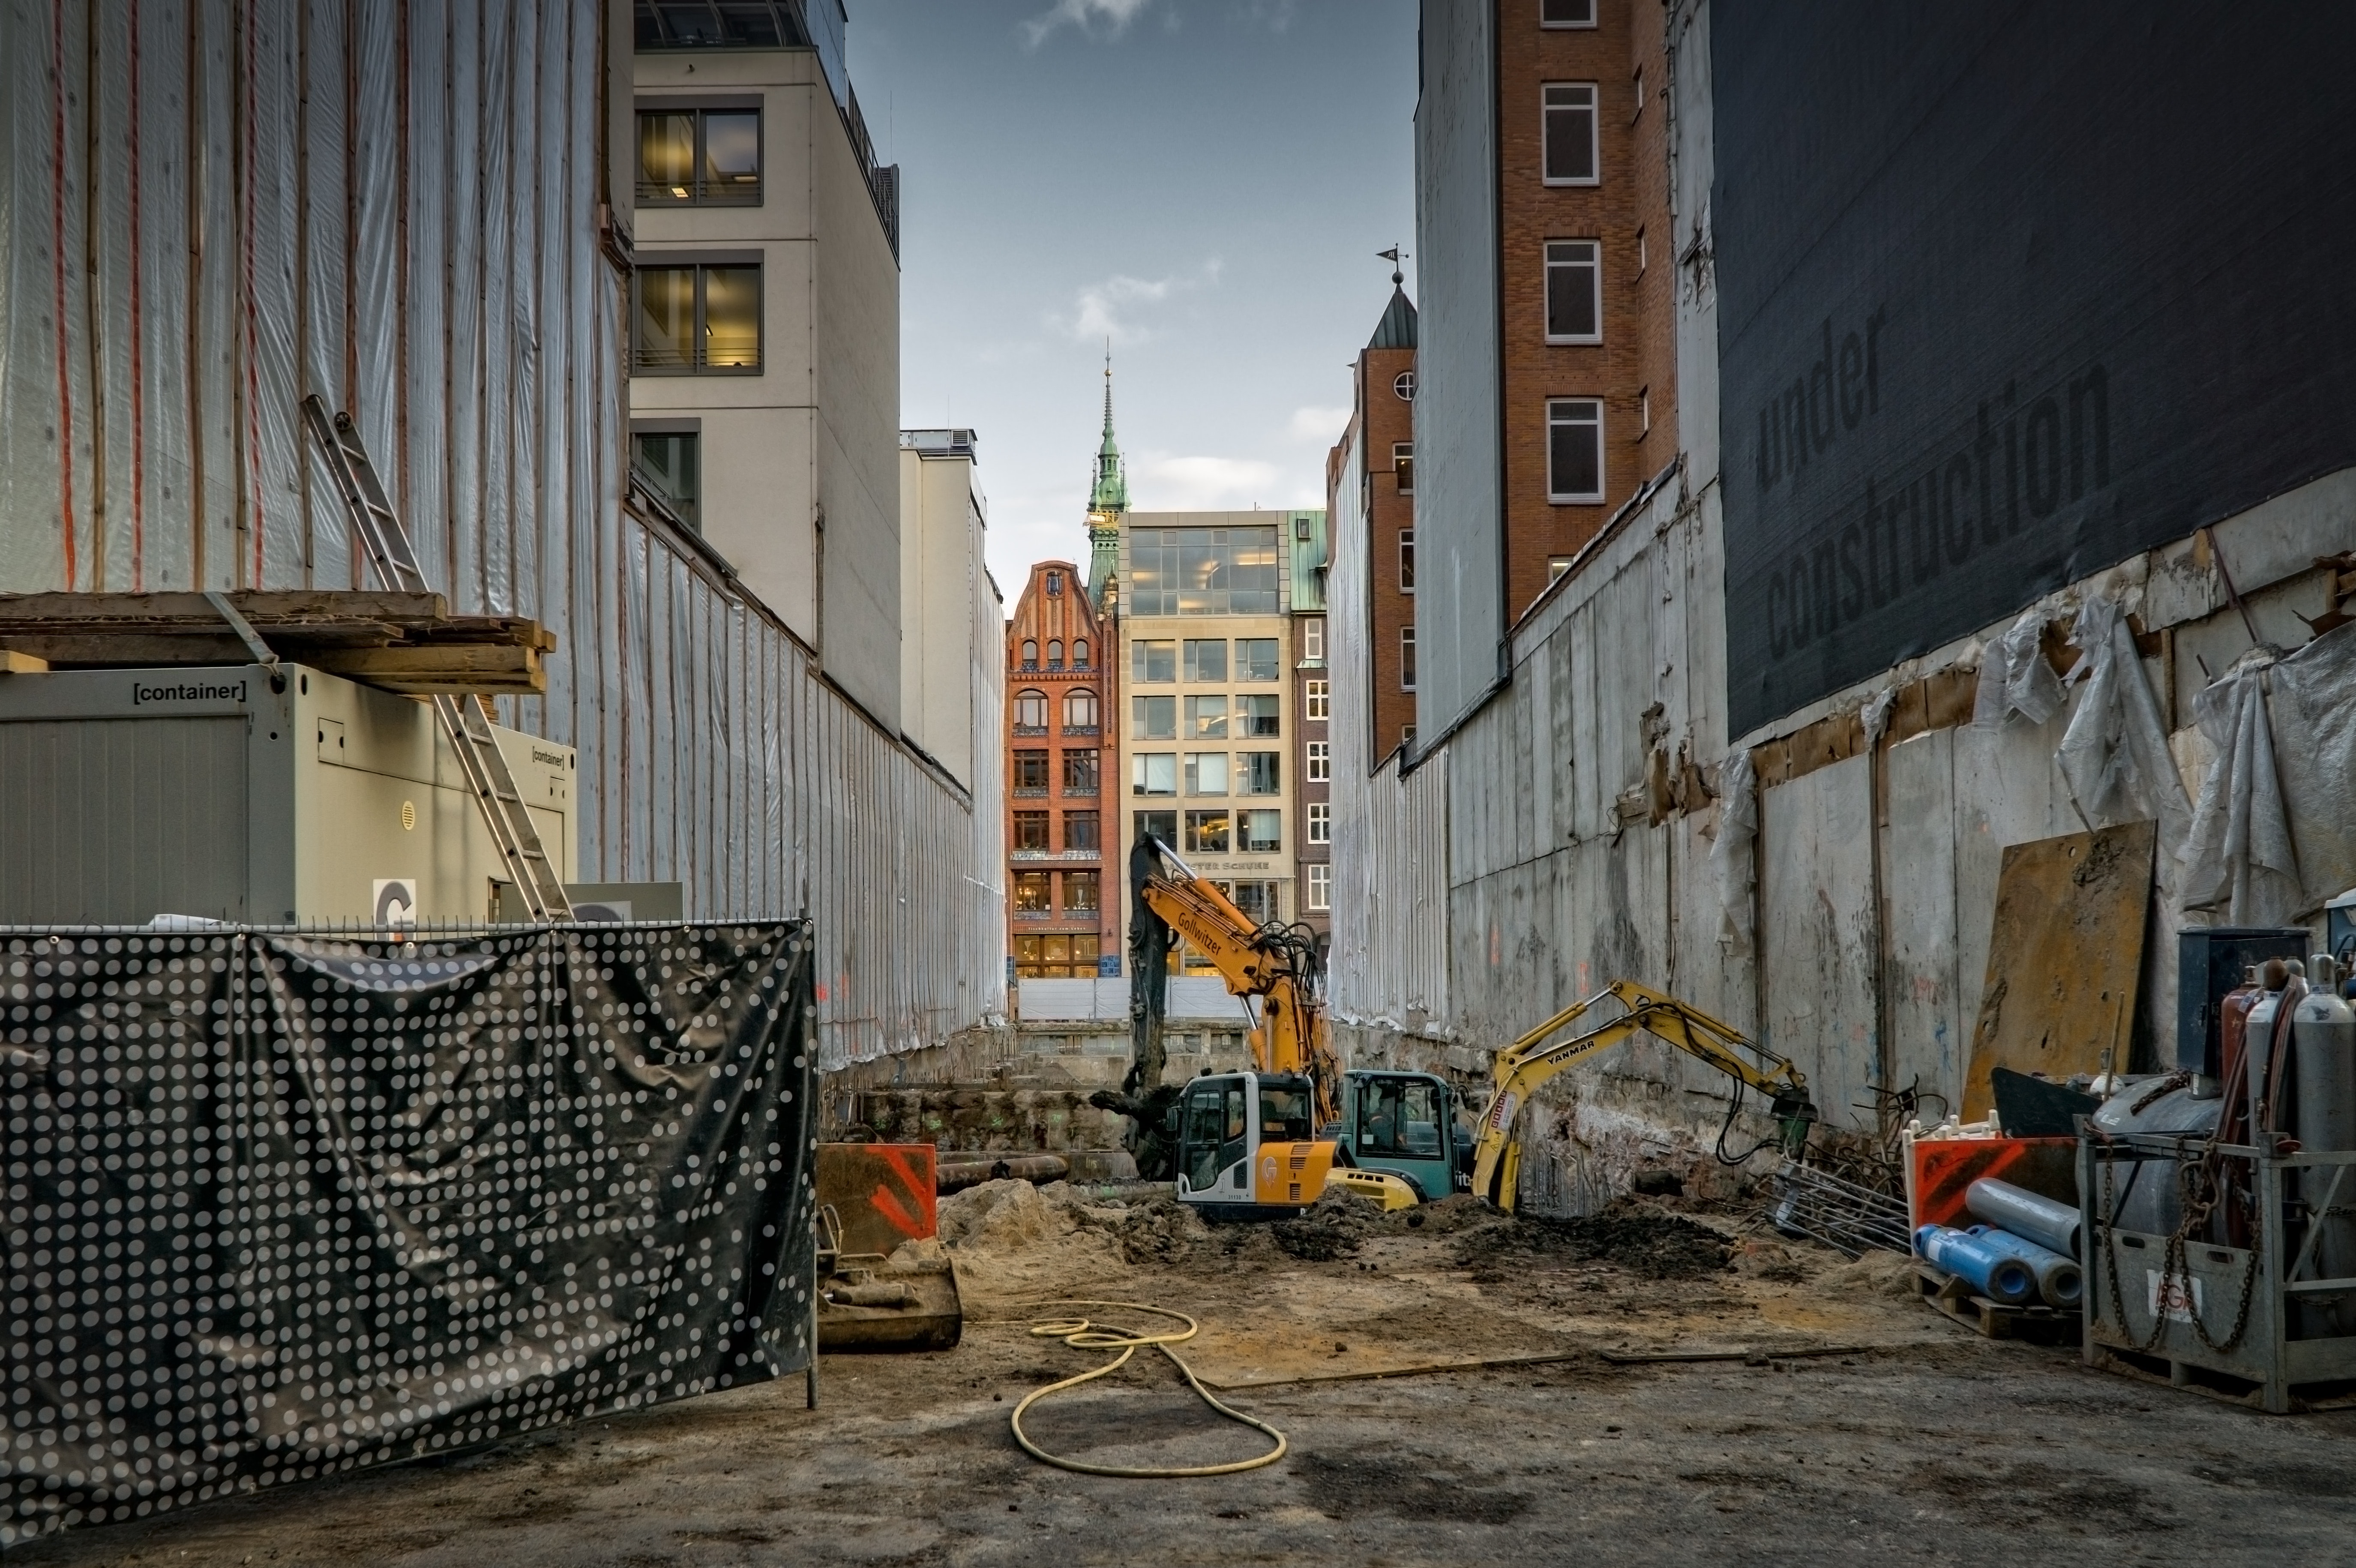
1108, 499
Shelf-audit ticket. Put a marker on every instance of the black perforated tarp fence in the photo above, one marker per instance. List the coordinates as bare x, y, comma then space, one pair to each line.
280, 1203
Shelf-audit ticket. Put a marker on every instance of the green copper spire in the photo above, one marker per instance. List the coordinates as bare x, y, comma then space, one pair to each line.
1111, 492
1107, 498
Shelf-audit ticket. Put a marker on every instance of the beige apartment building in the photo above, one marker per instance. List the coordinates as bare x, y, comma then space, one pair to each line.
1208, 753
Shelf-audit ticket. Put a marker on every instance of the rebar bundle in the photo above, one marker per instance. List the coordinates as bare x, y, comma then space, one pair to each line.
1839, 1212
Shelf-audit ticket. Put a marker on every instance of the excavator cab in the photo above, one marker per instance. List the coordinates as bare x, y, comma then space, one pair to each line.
1406, 1123
1247, 1148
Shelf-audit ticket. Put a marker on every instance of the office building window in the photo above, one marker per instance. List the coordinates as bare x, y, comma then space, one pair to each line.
1206, 659
1152, 663
1255, 718
1256, 901
1574, 449
1030, 712
1153, 773
1261, 772
1082, 831
1570, 128
1207, 832
1566, 13
1321, 886
1031, 829
1574, 291
1162, 825
1056, 653
667, 462
697, 321
1080, 893
1056, 955
1206, 718
700, 157
1153, 718
1312, 641
1207, 773
1080, 772
1034, 892
1320, 762
1080, 710
1257, 658
1317, 700
1321, 821
1203, 571
1080, 653
1407, 658
1031, 770
1407, 560
1403, 466
1259, 832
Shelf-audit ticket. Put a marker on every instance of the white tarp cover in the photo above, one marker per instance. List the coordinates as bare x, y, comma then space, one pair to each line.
207, 212
2015, 677
2240, 858
2311, 706
2114, 753
1733, 855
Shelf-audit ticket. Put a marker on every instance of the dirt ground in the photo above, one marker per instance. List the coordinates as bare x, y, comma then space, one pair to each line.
1915, 1439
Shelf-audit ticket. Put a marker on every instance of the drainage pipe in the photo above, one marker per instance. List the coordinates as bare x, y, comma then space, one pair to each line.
2050, 1224
2000, 1276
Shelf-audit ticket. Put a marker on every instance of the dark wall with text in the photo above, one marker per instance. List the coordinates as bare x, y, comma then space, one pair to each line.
2007, 293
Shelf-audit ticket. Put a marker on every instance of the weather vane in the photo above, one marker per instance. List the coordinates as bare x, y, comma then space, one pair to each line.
1392, 256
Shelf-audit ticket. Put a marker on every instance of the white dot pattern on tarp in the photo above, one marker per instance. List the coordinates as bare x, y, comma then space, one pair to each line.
279, 1204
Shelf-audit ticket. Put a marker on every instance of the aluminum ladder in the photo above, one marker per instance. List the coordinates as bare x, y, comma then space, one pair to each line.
386, 541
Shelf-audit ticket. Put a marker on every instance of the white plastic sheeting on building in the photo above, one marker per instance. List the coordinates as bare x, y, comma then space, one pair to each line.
208, 211
1192, 999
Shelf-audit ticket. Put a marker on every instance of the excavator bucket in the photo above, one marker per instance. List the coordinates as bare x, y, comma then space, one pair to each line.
884, 1282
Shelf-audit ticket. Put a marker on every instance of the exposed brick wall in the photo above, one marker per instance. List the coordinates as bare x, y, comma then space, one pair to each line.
1635, 363
1042, 617
1387, 420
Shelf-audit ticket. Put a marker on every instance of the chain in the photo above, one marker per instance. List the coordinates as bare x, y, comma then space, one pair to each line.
2199, 1192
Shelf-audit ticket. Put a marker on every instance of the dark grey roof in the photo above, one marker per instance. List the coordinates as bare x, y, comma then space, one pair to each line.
1396, 328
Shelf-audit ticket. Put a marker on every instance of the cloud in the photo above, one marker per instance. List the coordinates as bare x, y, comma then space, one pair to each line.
1110, 308
1319, 426
1168, 482
1084, 15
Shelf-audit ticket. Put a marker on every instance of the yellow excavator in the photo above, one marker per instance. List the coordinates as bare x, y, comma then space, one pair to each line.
1267, 1143
1537, 1056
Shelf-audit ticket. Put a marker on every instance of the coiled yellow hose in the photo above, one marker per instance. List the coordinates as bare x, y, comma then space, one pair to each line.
1083, 1334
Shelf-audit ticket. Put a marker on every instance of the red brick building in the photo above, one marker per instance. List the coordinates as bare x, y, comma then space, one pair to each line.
1382, 413
1586, 275
1059, 750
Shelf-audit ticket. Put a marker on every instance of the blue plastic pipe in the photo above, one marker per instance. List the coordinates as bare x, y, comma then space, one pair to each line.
1997, 1275
2058, 1279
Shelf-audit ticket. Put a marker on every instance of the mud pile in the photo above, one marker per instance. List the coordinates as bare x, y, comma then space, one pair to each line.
1635, 1237
1009, 1238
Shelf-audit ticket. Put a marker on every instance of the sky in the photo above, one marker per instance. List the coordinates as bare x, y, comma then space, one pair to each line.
1204, 181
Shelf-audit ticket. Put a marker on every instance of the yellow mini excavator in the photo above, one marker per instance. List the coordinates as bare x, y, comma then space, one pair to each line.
1537, 1056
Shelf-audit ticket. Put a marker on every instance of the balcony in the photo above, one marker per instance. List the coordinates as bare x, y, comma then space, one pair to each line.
1030, 791
1083, 729
1034, 914
1028, 730
1082, 791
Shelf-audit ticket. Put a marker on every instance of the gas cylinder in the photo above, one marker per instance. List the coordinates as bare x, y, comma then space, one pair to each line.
2323, 1034
2257, 1044
2233, 1020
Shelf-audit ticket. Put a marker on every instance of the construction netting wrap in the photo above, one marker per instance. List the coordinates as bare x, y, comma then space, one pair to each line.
207, 212
280, 1205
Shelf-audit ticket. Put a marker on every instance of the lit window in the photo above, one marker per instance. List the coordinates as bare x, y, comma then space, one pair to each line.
1207, 773
1321, 821
1034, 892
1152, 663
1320, 762
1403, 466
1316, 699
1080, 710
1262, 773
1566, 13
1570, 116
1153, 718
698, 320
1207, 718
1261, 832
1321, 886
1153, 773
1203, 571
1556, 567
1574, 450
700, 157
1407, 658
1313, 640
1206, 659
1574, 291
1080, 896
1207, 832
1407, 560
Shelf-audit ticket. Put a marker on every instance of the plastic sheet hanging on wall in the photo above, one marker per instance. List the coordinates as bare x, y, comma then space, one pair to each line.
281, 1204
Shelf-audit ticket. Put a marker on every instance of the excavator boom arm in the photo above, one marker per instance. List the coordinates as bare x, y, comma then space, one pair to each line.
1522, 1067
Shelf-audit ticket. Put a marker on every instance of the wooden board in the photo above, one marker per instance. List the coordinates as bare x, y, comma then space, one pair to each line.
2065, 958
402, 642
